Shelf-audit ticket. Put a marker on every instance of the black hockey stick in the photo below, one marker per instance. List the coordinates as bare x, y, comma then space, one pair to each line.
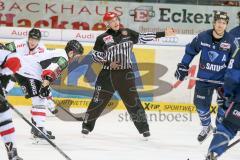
230, 146
233, 144
3, 100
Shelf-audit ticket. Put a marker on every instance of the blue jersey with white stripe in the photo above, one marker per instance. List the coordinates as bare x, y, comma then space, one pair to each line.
215, 55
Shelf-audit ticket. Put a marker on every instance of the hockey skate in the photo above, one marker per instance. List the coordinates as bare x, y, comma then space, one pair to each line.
211, 156
39, 138
206, 131
85, 131
146, 135
33, 130
12, 152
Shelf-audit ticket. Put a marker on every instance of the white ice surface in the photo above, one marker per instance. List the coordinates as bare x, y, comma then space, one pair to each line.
115, 140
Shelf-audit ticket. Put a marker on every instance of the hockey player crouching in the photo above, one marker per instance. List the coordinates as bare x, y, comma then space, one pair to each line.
34, 80
26, 48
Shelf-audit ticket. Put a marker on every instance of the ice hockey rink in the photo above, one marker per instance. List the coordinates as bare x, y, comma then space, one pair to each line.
116, 138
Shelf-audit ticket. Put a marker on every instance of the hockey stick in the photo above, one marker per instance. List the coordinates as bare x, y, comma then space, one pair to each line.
70, 114
233, 144
66, 104
230, 146
205, 80
197, 79
3, 100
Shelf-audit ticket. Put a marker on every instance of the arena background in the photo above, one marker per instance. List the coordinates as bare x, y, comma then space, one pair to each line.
82, 20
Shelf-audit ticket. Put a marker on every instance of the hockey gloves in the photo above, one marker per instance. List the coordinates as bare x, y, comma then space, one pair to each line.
181, 72
44, 90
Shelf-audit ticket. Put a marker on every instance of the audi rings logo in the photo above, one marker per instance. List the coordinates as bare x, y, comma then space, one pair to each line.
169, 39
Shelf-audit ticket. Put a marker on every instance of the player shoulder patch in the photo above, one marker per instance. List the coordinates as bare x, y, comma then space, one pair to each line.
225, 46
108, 39
124, 32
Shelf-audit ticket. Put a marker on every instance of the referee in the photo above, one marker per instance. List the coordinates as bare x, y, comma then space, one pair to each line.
112, 49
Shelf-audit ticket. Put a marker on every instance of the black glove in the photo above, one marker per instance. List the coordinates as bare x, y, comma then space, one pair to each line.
181, 72
44, 91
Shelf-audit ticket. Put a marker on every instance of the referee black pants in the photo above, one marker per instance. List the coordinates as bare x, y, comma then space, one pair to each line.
122, 81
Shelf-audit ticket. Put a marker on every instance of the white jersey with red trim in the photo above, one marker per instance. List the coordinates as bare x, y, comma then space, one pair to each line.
31, 60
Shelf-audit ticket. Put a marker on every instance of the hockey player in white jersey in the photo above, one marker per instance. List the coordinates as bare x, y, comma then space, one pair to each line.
24, 47
7, 130
39, 68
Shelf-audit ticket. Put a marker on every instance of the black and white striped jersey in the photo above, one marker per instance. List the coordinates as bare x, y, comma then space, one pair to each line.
117, 46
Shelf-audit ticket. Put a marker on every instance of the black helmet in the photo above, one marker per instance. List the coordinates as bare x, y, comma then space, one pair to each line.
35, 34
221, 15
74, 45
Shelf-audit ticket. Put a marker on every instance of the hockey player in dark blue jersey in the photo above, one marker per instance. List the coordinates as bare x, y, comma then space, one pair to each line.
235, 32
227, 130
216, 47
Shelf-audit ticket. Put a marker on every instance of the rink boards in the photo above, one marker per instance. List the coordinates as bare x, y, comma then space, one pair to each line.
154, 73
154, 65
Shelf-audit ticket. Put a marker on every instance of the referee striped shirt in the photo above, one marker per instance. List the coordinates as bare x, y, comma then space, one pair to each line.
117, 46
